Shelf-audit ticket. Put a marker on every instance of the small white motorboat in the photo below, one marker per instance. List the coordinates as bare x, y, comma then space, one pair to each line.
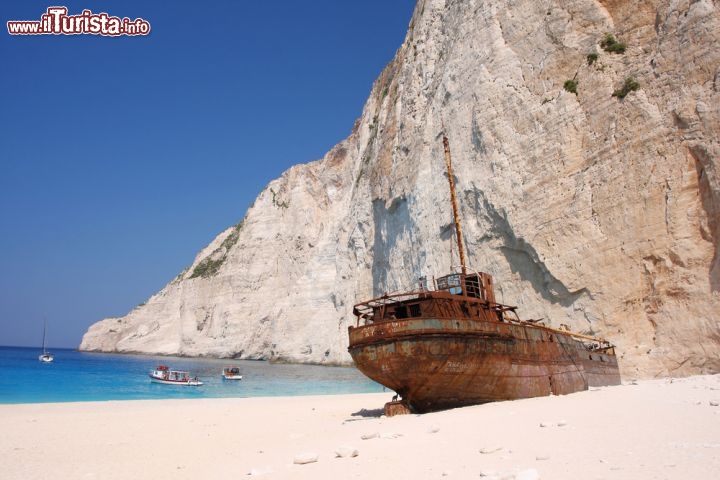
163, 374
231, 373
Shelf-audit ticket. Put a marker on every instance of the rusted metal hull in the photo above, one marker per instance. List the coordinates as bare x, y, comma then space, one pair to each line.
451, 344
436, 364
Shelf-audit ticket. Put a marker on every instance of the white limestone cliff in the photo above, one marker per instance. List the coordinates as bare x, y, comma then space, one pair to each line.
599, 212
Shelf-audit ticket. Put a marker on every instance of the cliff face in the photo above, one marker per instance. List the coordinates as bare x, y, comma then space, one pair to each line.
590, 209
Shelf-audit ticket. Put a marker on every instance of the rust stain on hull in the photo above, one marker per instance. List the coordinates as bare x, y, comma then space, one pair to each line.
435, 364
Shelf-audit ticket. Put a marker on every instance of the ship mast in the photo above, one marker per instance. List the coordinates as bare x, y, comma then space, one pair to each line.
453, 199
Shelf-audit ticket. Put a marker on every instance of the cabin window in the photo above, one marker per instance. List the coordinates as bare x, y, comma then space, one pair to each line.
472, 285
415, 310
450, 282
401, 312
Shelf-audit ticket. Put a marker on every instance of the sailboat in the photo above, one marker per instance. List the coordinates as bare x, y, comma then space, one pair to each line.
451, 344
45, 356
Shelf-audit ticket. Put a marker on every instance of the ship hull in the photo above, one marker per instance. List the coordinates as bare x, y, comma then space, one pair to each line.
448, 343
435, 364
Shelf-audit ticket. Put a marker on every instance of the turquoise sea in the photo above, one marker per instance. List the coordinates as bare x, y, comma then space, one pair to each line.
85, 377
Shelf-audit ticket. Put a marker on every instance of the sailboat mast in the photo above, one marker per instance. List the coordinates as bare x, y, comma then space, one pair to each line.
43, 342
453, 199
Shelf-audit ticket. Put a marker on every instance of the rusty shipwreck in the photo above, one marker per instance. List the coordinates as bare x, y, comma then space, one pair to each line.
450, 344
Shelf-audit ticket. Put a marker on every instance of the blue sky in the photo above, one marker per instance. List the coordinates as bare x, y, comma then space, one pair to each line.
121, 157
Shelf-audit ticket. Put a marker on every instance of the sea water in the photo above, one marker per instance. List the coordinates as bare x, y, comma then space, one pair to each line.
83, 377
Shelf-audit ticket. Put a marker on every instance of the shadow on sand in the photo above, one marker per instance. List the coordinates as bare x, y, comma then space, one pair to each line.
363, 412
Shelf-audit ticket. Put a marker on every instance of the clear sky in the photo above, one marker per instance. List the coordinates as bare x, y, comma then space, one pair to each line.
122, 157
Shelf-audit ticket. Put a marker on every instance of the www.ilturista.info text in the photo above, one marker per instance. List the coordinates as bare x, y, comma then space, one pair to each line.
57, 22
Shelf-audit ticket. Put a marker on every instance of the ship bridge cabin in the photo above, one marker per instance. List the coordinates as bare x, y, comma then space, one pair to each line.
476, 285
465, 295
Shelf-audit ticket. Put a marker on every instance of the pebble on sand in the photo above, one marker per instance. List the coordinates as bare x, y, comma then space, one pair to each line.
493, 449
304, 458
346, 452
560, 423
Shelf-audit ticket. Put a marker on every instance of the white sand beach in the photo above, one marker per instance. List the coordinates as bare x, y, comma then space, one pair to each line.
659, 429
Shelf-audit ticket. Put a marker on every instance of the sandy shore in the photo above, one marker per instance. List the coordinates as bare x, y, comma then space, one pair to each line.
660, 429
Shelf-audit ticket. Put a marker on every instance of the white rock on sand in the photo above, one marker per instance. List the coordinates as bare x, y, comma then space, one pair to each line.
655, 429
346, 452
304, 458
